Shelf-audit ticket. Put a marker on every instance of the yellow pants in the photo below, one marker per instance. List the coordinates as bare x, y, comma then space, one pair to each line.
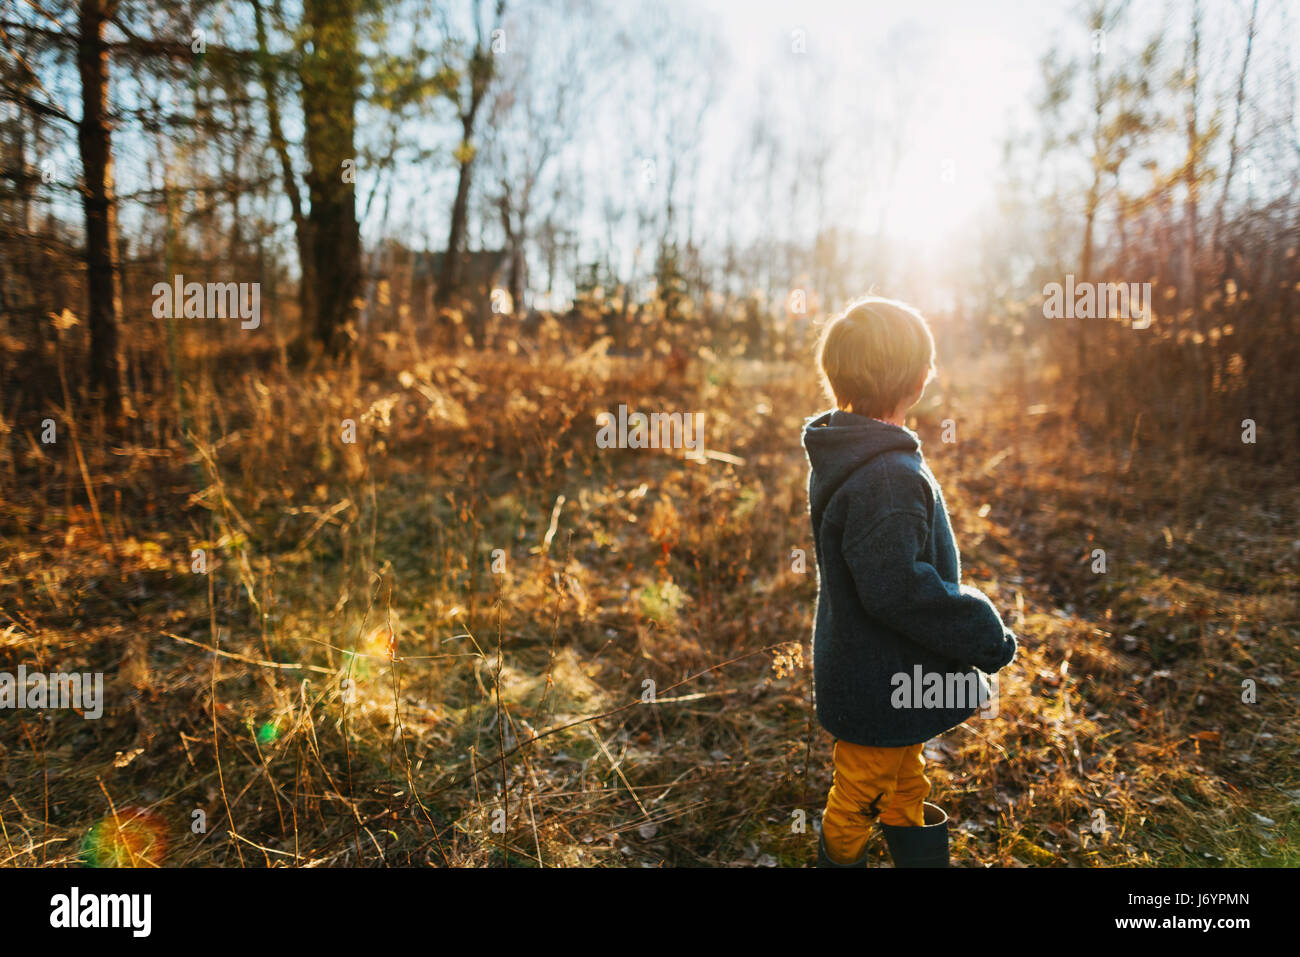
885, 784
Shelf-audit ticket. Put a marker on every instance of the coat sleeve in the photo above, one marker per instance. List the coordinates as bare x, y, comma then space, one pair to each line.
908, 594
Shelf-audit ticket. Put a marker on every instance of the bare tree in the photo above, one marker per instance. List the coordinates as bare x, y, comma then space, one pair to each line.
468, 96
540, 104
301, 225
1233, 145
95, 140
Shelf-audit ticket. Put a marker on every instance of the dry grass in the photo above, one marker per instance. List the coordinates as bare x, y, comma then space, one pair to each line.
380, 695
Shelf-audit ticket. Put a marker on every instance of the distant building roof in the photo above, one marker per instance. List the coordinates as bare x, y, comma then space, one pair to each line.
477, 266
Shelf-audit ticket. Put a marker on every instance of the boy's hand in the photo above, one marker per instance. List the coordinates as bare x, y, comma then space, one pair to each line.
1012, 647
906, 593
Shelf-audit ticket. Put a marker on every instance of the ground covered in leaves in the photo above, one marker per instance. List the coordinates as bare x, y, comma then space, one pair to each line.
472, 637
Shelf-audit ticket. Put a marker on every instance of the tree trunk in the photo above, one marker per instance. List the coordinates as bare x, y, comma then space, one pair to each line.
302, 229
515, 277
449, 275
94, 137
1191, 176
330, 76
1092, 203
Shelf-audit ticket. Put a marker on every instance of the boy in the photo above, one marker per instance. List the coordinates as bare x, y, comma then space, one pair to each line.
890, 603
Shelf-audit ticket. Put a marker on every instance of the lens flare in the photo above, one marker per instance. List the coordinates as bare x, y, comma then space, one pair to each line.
268, 733
133, 837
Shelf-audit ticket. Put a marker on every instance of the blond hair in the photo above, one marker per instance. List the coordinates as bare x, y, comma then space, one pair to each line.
874, 354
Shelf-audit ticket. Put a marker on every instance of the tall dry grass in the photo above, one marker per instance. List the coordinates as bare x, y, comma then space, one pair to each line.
432, 646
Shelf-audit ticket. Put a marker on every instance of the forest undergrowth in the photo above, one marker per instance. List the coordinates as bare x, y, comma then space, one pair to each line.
473, 637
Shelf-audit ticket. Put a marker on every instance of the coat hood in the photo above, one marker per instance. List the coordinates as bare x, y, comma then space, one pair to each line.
838, 443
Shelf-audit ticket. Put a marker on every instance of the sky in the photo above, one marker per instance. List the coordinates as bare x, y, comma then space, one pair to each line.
969, 69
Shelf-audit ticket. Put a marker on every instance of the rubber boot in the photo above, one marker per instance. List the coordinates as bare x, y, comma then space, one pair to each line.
825, 860
920, 846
